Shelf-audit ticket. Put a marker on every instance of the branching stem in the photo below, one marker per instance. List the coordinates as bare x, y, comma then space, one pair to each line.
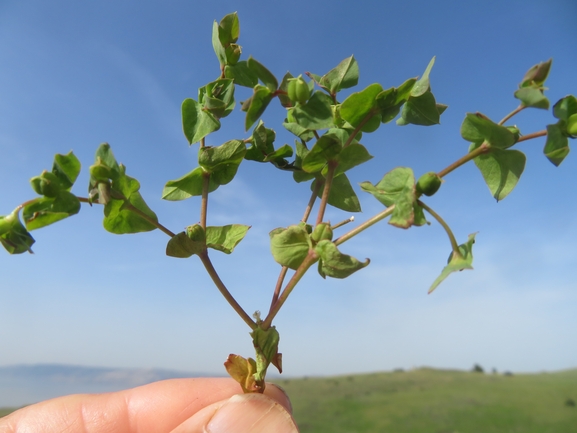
454, 244
512, 113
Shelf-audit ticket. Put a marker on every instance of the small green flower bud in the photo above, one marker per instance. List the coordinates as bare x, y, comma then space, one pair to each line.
232, 53
100, 171
298, 90
429, 183
196, 233
47, 184
322, 232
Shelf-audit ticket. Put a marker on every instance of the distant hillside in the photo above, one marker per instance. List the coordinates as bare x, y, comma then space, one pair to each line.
25, 384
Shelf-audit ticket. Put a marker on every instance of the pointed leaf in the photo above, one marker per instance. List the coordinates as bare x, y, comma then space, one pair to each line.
536, 76
66, 168
316, 113
229, 29
457, 262
351, 156
257, 105
13, 235
420, 110
241, 74
342, 195
325, 149
301, 153
243, 370
266, 347
423, 84
501, 169
222, 161
359, 105
557, 144
478, 128
187, 186
225, 238
46, 211
335, 264
217, 44
343, 76
531, 97
181, 246
263, 74
290, 246
197, 123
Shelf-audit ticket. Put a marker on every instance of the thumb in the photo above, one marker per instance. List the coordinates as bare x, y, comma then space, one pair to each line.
243, 413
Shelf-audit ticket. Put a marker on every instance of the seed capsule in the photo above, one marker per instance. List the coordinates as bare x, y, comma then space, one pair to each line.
47, 184
429, 183
298, 90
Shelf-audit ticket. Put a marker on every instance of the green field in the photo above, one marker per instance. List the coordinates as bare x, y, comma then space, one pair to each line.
435, 401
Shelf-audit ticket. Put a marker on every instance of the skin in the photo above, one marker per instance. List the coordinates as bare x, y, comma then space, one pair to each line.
177, 405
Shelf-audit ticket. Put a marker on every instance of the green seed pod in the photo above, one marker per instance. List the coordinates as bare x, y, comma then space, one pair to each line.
322, 232
429, 183
47, 184
298, 90
196, 233
515, 132
232, 53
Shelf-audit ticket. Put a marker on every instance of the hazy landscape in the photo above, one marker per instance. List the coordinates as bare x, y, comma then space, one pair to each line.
414, 401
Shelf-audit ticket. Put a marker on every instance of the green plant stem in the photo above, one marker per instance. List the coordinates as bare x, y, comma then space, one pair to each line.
224, 291
204, 199
310, 260
537, 134
368, 223
483, 148
454, 244
139, 213
368, 117
342, 223
278, 286
332, 165
512, 113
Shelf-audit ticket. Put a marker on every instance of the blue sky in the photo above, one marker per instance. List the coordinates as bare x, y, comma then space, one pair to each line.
75, 74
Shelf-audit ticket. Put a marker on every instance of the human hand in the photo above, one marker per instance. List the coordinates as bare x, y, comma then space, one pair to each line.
203, 405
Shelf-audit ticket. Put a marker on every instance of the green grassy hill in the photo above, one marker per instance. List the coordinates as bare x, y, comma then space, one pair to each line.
436, 401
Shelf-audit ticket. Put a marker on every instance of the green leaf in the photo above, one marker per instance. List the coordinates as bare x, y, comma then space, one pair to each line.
290, 246
241, 74
420, 110
285, 101
316, 113
257, 104
13, 235
66, 168
262, 148
342, 195
325, 149
243, 371
105, 156
119, 218
457, 261
565, 108
532, 97
263, 74
397, 187
229, 29
217, 97
217, 45
266, 347
478, 128
181, 246
197, 123
423, 85
351, 156
222, 161
188, 185
359, 105
225, 238
343, 76
501, 169
572, 126
301, 153
335, 264
557, 144
45, 211
536, 76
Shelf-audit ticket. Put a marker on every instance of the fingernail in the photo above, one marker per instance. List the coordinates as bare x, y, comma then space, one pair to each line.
251, 413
